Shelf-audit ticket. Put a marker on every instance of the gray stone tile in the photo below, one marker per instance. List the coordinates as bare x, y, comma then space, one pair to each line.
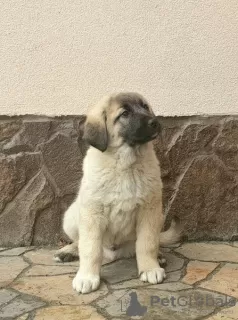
126, 269
173, 262
170, 286
14, 251
134, 283
171, 246
23, 317
6, 296
209, 252
230, 313
10, 268
120, 270
44, 270
45, 256
173, 276
163, 250
56, 289
80, 312
19, 306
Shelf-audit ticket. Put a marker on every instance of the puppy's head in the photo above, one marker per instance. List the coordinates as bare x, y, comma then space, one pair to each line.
121, 118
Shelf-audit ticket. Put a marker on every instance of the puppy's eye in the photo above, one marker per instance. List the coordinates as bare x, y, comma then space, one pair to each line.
145, 106
125, 114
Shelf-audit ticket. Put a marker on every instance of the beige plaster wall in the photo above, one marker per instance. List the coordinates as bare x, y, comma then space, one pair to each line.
59, 56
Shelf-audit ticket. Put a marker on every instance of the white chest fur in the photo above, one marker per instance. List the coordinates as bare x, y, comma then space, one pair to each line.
121, 182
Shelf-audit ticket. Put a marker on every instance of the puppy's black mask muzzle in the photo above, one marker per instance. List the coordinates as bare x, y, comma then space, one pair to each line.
142, 129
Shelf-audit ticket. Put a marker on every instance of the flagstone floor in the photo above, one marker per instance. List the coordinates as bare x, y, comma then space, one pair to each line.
201, 283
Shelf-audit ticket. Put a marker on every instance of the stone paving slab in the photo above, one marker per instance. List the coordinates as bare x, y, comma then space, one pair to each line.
34, 286
14, 251
198, 270
45, 257
68, 313
226, 314
126, 270
225, 280
21, 304
23, 317
6, 296
40, 270
170, 286
10, 268
173, 276
56, 289
173, 262
209, 252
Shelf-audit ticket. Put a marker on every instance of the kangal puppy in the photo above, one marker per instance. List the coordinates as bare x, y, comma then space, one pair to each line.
118, 210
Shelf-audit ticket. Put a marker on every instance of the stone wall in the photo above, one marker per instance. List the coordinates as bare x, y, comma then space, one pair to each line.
40, 170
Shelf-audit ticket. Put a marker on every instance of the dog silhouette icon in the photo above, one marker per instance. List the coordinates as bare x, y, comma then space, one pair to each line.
135, 308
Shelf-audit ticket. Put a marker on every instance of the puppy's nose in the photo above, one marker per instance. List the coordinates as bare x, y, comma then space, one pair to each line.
153, 123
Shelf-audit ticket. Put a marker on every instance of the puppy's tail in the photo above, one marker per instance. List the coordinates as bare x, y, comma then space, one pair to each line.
173, 234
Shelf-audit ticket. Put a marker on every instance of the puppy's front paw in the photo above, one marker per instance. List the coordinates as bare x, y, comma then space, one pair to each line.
86, 283
153, 276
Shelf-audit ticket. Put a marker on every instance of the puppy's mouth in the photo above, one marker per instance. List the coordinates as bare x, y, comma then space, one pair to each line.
143, 139
148, 134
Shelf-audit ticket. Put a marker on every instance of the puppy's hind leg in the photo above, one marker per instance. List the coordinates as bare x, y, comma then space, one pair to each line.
67, 253
161, 258
126, 250
70, 225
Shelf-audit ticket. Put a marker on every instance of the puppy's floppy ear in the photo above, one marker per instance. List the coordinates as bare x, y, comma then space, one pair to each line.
95, 131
